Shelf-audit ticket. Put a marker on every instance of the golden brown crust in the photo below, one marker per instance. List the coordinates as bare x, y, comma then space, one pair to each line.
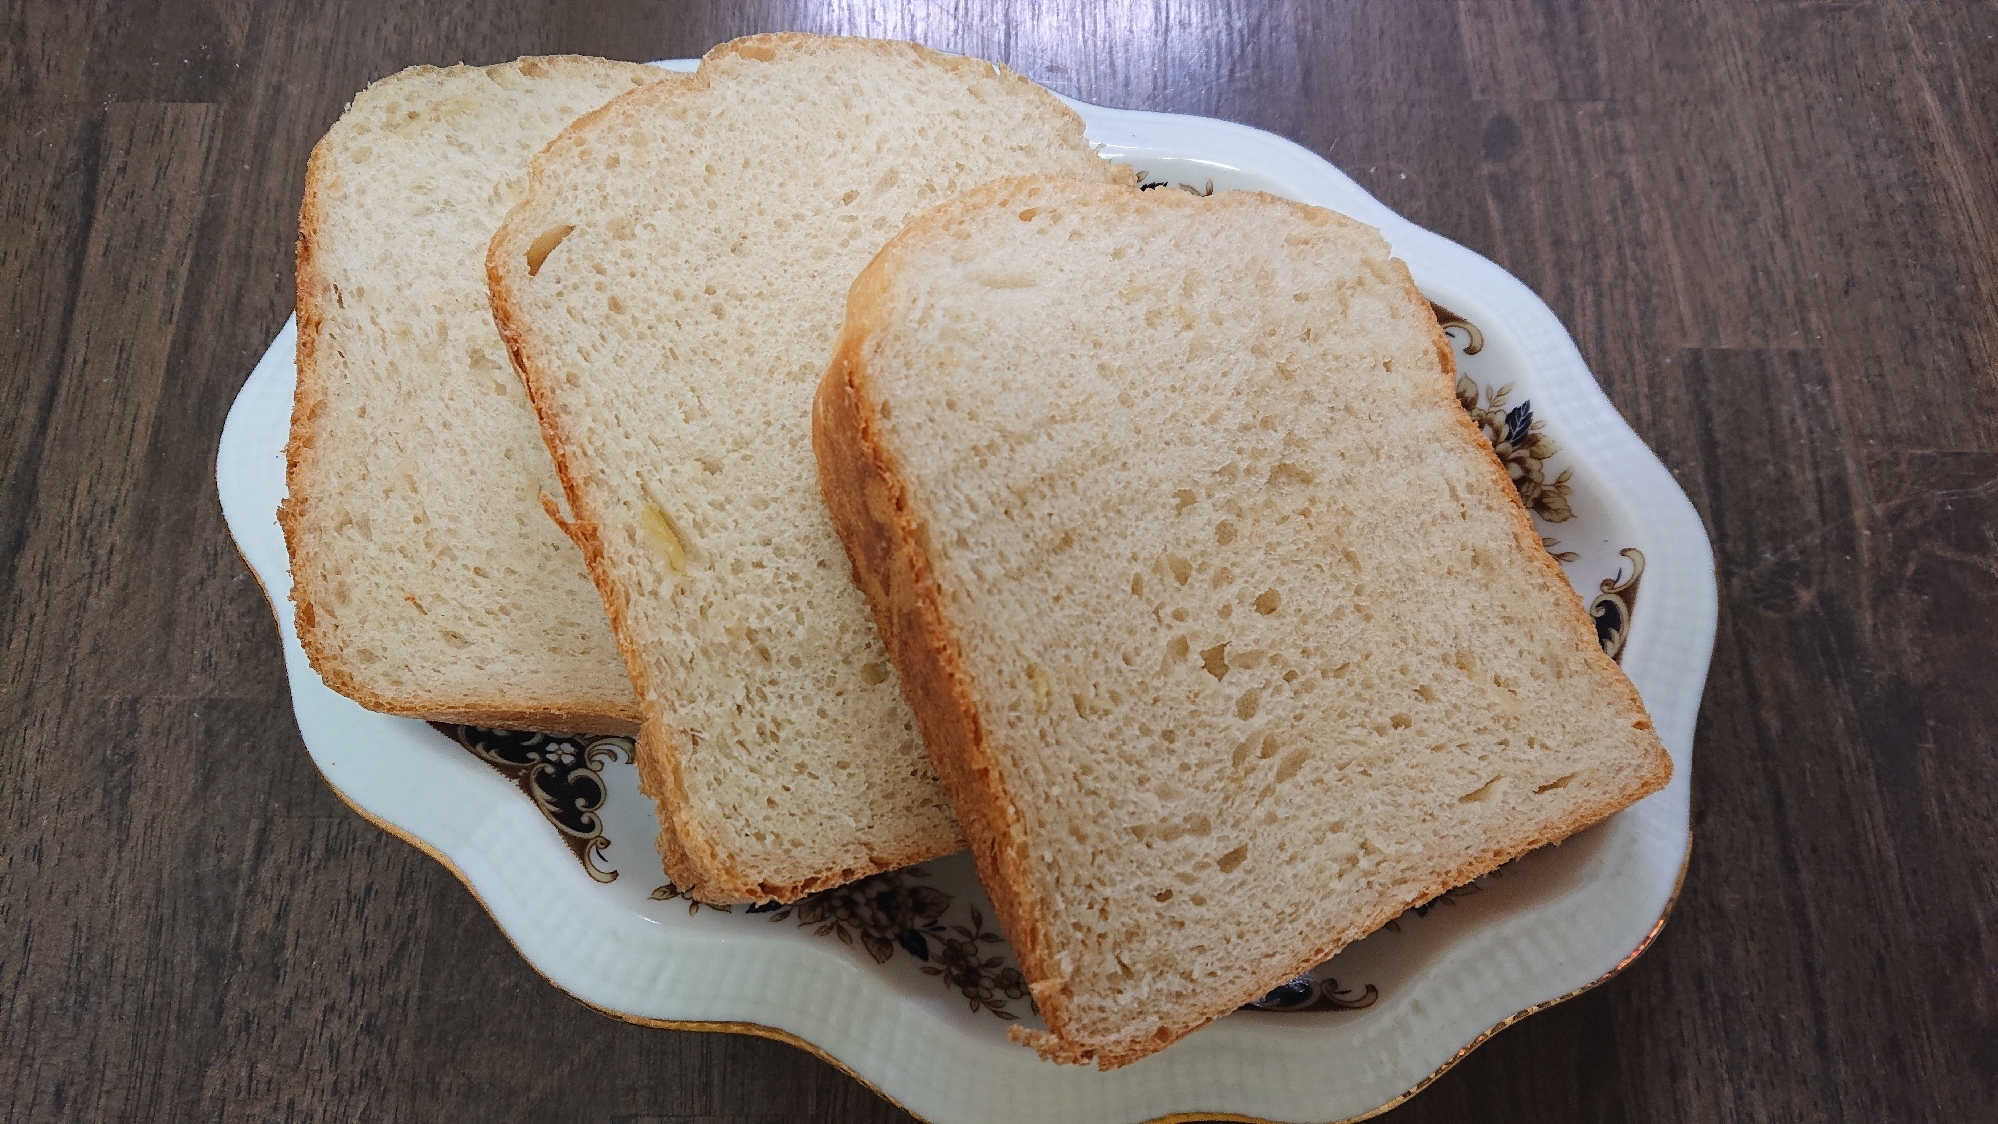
888, 548
301, 452
869, 503
307, 402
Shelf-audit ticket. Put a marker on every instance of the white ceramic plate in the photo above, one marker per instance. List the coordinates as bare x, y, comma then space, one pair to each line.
902, 980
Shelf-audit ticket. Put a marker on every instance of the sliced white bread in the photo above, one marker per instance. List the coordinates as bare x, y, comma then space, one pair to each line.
671, 288
1229, 634
428, 581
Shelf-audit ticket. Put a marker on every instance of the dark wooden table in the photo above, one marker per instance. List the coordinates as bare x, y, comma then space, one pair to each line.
1772, 228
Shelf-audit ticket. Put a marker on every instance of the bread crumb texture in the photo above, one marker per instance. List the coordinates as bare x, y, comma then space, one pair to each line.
1249, 612
428, 579
673, 285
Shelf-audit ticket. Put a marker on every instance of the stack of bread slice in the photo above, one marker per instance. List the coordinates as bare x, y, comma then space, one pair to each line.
1100, 529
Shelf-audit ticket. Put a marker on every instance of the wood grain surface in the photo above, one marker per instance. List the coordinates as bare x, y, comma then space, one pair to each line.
1771, 227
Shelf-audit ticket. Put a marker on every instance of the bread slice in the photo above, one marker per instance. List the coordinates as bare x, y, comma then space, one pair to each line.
427, 579
1228, 633
671, 288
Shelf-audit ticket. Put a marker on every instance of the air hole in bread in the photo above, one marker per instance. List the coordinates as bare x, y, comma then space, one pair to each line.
1558, 782
1291, 765
1288, 473
1249, 702
1006, 279
543, 245
1242, 751
1483, 793
1215, 659
1232, 859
